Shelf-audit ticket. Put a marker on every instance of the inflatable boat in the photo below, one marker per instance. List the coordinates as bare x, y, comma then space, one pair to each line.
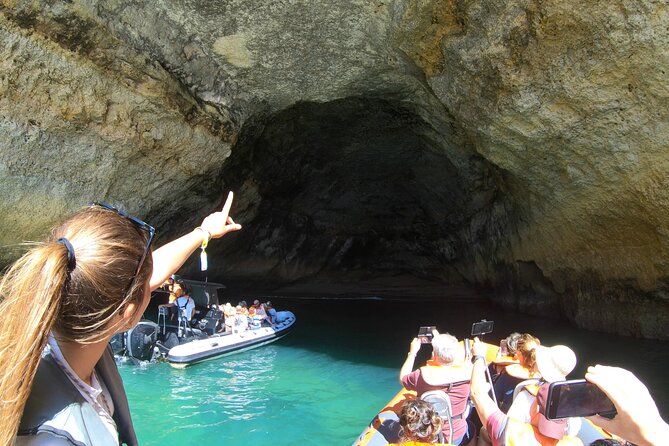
384, 428
188, 342
218, 345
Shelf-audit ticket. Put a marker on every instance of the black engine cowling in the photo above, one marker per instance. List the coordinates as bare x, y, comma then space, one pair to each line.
141, 340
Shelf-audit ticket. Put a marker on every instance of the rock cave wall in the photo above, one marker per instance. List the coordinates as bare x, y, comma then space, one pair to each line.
519, 147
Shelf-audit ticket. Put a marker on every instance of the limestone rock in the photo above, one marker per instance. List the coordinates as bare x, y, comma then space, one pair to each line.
518, 147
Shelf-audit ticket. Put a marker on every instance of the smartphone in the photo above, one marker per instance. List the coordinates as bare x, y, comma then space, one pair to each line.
425, 334
577, 398
503, 348
481, 328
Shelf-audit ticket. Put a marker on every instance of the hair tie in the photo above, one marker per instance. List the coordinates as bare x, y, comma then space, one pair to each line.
71, 260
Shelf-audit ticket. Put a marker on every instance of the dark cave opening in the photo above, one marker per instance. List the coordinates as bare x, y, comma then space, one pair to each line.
356, 189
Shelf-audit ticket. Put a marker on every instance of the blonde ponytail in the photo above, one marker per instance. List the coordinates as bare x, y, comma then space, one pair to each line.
26, 323
40, 295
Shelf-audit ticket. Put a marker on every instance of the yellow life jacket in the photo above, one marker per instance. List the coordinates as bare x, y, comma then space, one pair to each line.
518, 371
505, 360
518, 433
533, 388
176, 292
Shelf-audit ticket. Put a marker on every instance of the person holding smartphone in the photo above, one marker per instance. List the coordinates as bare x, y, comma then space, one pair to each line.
550, 364
504, 430
511, 373
447, 370
637, 420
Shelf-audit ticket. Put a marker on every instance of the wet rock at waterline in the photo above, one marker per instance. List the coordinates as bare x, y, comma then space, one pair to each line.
519, 147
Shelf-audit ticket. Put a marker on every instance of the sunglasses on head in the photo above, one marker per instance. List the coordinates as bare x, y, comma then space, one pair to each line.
141, 225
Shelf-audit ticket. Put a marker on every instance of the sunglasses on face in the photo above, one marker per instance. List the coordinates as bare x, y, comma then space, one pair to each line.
141, 225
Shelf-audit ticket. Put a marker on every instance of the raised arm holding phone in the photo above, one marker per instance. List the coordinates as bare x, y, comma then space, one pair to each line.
446, 370
638, 419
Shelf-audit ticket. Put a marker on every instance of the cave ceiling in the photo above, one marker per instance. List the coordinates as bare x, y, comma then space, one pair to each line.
518, 147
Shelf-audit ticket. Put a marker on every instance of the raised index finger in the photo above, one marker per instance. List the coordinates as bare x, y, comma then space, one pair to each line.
228, 204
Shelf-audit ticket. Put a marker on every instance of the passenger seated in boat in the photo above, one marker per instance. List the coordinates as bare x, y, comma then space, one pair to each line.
506, 430
271, 313
257, 315
92, 278
243, 304
507, 353
186, 306
228, 315
447, 370
254, 308
512, 370
261, 314
240, 322
550, 364
419, 424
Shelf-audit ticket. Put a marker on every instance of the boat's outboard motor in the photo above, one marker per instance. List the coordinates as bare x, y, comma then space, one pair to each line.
141, 340
117, 343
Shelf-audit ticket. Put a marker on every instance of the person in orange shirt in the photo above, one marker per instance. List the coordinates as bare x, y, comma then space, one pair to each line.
254, 308
176, 290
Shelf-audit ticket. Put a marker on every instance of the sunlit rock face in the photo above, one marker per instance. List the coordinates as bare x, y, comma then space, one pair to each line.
519, 147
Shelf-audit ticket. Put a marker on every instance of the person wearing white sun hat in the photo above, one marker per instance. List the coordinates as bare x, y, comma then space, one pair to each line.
530, 428
555, 363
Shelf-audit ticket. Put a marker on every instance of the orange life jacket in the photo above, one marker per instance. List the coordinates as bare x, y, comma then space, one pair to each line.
438, 375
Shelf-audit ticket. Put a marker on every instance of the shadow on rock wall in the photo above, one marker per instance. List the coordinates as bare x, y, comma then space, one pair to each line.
353, 189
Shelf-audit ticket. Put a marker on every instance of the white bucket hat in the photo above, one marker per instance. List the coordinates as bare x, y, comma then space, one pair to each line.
555, 363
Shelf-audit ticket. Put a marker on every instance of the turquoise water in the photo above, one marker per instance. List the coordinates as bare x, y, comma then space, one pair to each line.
324, 382
278, 395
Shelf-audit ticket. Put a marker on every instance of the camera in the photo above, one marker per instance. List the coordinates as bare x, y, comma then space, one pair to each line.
577, 398
425, 334
481, 328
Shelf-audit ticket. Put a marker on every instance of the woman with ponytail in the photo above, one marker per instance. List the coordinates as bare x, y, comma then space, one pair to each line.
61, 304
